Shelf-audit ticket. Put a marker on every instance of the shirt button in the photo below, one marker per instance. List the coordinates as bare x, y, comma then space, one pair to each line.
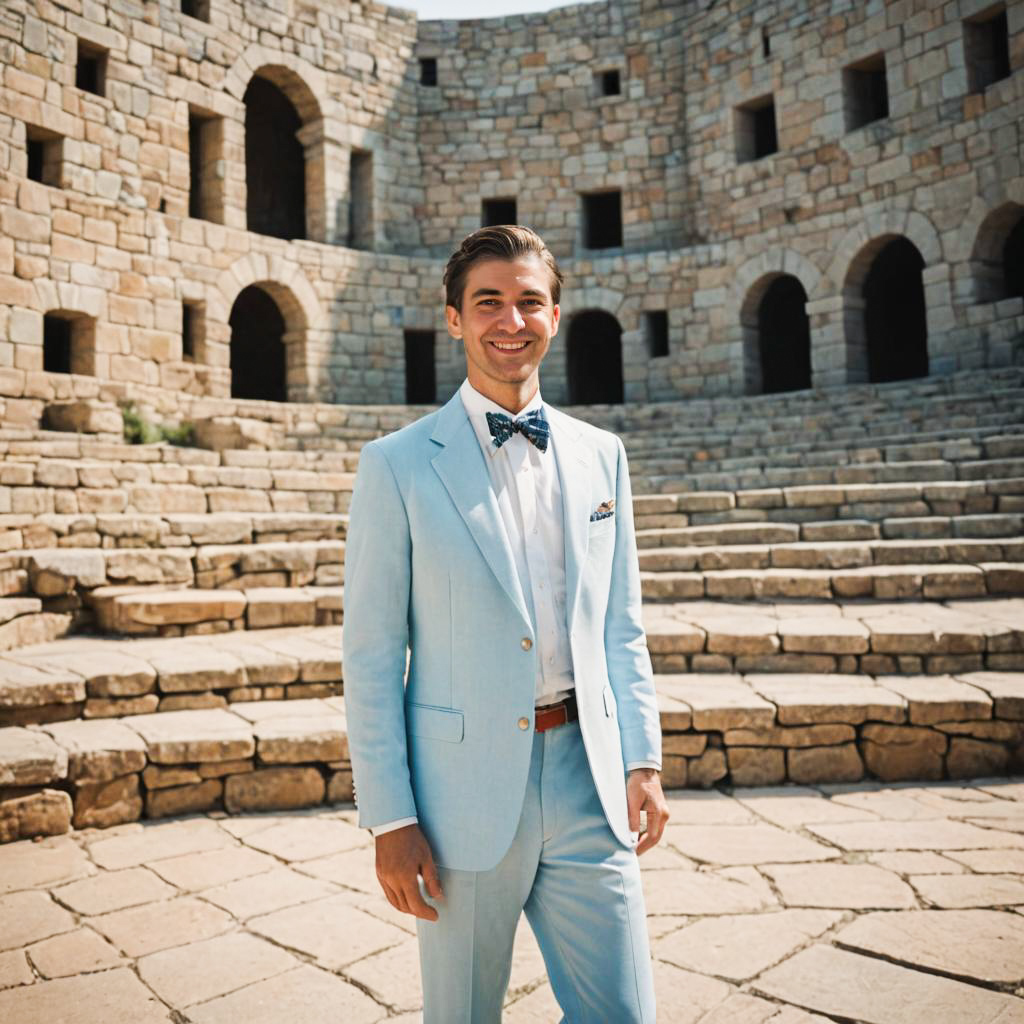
526, 643
524, 723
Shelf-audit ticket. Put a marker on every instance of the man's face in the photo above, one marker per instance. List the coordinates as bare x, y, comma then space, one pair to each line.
506, 322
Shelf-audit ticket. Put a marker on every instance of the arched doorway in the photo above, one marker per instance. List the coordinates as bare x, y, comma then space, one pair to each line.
594, 359
784, 336
275, 162
895, 323
258, 358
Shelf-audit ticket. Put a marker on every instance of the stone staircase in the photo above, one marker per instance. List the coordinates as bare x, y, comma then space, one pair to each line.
832, 585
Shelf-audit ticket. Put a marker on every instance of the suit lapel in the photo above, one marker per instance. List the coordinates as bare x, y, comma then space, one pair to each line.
573, 456
460, 465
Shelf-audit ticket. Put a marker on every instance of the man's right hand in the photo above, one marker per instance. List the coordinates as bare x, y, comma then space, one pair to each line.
402, 856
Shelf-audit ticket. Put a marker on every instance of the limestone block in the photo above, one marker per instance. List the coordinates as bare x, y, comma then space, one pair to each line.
972, 758
706, 770
718, 702
157, 776
115, 707
270, 789
219, 433
13, 607
60, 571
27, 684
27, 630
149, 608
84, 417
339, 787
756, 766
829, 634
825, 764
897, 752
98, 750
185, 737
791, 736
933, 699
684, 744
673, 771
30, 758
217, 769
815, 699
269, 607
138, 566
293, 739
1006, 690
102, 804
201, 796
46, 812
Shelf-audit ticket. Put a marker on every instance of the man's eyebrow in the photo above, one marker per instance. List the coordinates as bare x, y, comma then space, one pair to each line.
481, 292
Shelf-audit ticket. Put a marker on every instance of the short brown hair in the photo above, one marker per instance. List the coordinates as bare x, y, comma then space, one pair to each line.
502, 242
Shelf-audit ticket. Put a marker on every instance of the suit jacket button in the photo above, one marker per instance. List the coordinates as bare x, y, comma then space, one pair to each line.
526, 643
524, 723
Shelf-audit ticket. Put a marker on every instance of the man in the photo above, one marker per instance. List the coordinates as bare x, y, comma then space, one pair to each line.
494, 539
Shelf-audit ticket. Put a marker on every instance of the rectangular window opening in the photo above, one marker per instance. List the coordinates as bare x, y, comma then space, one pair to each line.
656, 330
610, 82
766, 43
91, 68
498, 211
756, 134
45, 151
69, 343
420, 368
360, 205
56, 344
191, 329
205, 148
602, 220
987, 48
865, 92
428, 71
198, 9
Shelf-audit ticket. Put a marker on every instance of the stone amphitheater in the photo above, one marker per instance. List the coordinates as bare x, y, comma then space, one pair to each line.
794, 241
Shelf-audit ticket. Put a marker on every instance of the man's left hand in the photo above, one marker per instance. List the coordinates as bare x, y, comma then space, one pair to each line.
643, 793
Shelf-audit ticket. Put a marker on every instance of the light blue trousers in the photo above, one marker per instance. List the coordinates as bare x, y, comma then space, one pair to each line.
581, 892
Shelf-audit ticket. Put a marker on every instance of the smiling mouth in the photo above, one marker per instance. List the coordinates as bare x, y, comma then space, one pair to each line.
510, 346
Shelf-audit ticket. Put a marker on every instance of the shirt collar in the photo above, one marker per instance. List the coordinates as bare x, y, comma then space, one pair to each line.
477, 406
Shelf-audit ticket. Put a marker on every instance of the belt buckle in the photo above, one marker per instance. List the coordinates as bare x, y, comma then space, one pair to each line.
553, 710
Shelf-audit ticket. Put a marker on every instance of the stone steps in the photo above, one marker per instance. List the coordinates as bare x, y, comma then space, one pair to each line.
888, 583
754, 729
1000, 525
870, 637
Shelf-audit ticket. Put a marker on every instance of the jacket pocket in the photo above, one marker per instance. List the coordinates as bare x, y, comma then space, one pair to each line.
434, 723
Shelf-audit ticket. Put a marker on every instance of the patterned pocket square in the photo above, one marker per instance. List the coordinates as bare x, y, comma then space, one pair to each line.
603, 511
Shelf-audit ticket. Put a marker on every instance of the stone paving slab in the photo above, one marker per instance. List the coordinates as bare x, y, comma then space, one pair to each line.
764, 907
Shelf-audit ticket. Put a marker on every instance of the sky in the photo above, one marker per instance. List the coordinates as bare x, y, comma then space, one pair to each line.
427, 9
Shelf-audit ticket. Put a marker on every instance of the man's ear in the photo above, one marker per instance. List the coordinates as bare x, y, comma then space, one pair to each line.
556, 314
454, 321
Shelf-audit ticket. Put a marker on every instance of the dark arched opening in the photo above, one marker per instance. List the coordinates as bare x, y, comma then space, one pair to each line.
275, 164
894, 314
258, 363
594, 359
784, 337
1013, 261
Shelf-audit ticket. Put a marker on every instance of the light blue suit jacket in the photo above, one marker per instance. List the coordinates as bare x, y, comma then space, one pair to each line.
428, 566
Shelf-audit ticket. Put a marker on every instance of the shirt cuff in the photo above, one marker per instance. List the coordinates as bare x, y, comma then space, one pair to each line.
391, 826
643, 764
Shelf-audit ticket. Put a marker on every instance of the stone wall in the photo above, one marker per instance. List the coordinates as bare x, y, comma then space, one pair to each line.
104, 239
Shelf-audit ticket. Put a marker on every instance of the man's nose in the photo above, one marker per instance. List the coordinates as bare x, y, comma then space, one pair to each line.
511, 320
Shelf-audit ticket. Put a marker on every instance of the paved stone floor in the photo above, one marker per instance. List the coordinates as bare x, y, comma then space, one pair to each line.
867, 902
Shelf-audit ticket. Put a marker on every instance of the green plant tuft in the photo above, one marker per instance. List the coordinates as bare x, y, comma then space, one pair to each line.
139, 430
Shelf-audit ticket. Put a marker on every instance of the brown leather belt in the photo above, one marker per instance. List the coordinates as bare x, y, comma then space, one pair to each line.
553, 715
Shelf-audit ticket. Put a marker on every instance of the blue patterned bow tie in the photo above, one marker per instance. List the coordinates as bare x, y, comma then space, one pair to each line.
532, 426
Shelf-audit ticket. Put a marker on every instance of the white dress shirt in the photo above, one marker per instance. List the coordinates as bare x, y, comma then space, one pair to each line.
529, 493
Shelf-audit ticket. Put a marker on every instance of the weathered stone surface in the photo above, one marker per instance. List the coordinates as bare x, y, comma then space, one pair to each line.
198, 796
1005, 688
102, 804
57, 571
756, 766
815, 699
914, 835
959, 891
840, 763
182, 737
718, 702
144, 610
842, 886
190, 666
24, 815
113, 890
970, 758
933, 699
980, 944
893, 752
331, 931
98, 750
30, 758
268, 607
100, 998
746, 844
740, 946
26, 685
707, 769
684, 744
27, 864
138, 931
274, 789
269, 891
203, 970
15, 969
138, 845
855, 987
193, 872
306, 995
76, 952
791, 736
84, 417
700, 892
306, 837
29, 917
